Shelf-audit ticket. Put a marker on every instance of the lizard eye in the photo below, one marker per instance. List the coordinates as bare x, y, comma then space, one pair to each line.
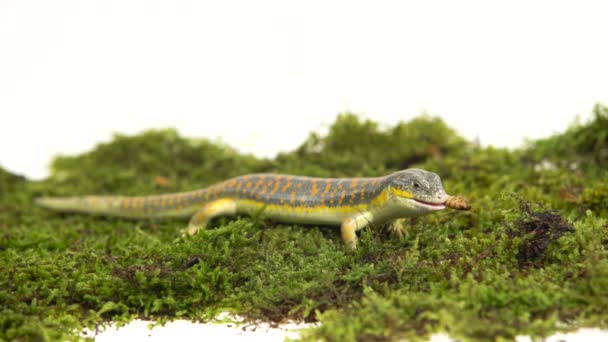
416, 185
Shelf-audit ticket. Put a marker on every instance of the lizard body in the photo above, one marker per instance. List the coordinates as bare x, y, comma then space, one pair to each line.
352, 203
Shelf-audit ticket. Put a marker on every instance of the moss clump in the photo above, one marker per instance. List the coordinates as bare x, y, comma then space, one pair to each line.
538, 229
360, 148
502, 269
585, 144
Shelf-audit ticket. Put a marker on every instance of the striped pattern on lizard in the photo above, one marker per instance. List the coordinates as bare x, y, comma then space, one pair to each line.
352, 203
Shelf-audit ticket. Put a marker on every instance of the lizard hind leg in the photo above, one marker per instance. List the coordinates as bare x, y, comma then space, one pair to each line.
219, 207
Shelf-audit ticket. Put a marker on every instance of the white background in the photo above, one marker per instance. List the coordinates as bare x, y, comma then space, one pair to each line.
260, 75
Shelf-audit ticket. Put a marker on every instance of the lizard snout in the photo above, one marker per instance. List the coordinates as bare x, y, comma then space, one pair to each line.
441, 197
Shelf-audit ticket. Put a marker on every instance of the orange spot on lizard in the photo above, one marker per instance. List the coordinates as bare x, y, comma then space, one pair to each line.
292, 198
327, 188
275, 187
342, 195
287, 184
315, 189
260, 181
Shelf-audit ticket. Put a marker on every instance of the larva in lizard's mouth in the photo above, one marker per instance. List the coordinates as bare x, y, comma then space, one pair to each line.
457, 202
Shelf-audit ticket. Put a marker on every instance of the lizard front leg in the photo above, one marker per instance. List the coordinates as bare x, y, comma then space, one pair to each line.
397, 228
352, 224
220, 207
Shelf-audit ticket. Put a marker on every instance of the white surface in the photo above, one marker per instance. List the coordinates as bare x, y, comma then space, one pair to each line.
185, 331
582, 335
260, 75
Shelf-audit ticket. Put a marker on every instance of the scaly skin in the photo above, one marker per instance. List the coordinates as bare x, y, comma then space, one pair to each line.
352, 203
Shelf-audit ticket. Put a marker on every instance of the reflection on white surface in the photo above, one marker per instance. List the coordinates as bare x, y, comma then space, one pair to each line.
184, 331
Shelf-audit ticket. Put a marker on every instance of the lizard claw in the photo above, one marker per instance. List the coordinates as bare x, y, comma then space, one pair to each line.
397, 228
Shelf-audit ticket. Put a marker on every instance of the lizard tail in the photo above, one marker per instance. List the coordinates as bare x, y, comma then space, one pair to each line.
170, 205
96, 205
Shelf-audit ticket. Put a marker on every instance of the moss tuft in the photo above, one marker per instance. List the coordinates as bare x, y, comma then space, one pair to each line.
537, 229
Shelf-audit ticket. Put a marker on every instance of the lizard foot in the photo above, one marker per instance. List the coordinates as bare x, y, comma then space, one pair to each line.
397, 228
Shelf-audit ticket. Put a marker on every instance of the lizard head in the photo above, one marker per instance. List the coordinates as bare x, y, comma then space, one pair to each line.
417, 189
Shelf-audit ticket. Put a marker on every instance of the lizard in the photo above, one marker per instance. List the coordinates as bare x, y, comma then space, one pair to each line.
351, 203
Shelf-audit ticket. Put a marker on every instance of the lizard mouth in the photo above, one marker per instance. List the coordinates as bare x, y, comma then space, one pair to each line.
430, 204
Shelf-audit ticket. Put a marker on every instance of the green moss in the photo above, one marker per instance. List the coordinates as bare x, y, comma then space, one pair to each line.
529, 258
581, 144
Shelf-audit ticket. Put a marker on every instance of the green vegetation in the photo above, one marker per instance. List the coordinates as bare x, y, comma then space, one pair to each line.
529, 258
